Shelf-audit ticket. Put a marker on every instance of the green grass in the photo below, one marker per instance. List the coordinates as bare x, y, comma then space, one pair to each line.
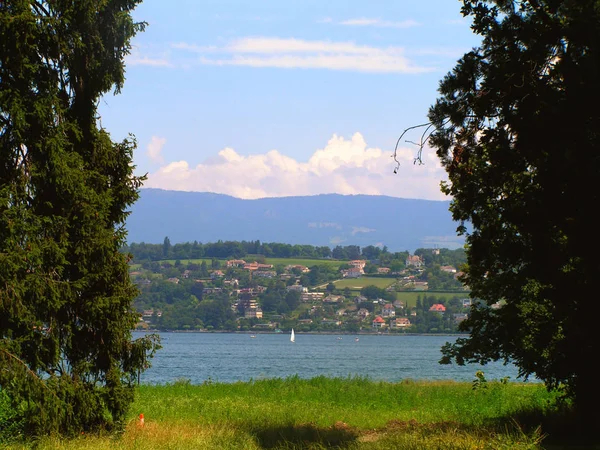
304, 262
410, 297
349, 413
359, 283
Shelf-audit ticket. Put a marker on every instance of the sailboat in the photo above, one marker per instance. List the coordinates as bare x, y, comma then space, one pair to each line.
293, 336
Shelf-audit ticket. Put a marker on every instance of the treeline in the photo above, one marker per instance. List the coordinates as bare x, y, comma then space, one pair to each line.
241, 249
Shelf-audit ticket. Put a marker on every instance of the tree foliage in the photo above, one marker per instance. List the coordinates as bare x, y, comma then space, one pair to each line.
67, 360
517, 127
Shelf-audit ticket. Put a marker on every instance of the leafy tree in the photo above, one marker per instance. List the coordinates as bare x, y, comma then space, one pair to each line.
68, 362
517, 129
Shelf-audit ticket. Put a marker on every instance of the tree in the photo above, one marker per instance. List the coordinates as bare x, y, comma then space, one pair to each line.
517, 129
67, 358
166, 249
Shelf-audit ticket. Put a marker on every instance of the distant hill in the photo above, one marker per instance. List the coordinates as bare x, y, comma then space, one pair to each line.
331, 219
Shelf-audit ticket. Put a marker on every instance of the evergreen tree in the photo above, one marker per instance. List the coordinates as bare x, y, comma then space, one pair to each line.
67, 359
517, 128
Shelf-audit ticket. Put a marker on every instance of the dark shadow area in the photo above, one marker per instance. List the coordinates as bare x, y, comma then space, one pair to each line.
305, 436
562, 429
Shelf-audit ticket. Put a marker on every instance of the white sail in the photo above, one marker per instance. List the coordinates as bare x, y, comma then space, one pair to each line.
293, 336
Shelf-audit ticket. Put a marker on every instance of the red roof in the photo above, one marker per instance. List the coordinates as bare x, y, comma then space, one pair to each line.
437, 307
378, 319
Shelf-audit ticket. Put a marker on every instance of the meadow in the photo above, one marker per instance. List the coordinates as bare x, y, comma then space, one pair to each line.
359, 283
320, 413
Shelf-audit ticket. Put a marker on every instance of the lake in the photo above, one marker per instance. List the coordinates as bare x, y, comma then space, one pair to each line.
231, 357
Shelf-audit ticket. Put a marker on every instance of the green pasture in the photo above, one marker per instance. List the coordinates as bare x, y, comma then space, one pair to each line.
410, 297
359, 283
322, 413
304, 262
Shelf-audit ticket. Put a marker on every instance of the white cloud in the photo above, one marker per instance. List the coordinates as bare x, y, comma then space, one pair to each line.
343, 166
299, 53
155, 147
366, 22
136, 58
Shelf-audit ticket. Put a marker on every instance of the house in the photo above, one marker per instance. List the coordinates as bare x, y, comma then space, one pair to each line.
251, 266
358, 263
305, 321
383, 270
186, 273
331, 322
333, 299
148, 314
360, 299
466, 302
341, 312
297, 288
217, 274
437, 307
311, 296
353, 272
448, 269
302, 269
459, 317
259, 273
363, 313
253, 313
398, 304
212, 290
173, 280
378, 322
236, 263
388, 310
400, 323
414, 260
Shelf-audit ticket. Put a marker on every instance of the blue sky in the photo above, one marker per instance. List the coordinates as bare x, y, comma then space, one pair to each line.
278, 98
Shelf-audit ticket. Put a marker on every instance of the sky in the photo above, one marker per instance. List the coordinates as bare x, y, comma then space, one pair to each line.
274, 98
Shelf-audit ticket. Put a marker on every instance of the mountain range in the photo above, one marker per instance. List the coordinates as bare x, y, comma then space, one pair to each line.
329, 219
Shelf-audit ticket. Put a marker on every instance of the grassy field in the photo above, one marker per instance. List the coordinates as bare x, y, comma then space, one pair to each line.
305, 262
322, 413
359, 283
410, 297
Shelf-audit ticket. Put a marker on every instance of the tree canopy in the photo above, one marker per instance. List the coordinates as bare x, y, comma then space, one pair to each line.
68, 362
517, 127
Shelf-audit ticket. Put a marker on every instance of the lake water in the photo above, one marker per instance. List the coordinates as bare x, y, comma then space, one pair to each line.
230, 357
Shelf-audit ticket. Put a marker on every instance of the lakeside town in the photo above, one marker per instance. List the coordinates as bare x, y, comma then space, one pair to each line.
378, 292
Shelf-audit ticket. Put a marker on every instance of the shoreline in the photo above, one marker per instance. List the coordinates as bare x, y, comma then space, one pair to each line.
341, 333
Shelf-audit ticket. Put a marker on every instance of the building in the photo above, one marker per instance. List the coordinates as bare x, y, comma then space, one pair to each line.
363, 313
388, 310
236, 263
437, 307
378, 322
400, 323
311, 296
414, 260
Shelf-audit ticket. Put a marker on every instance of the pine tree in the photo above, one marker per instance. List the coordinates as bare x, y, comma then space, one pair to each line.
67, 359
